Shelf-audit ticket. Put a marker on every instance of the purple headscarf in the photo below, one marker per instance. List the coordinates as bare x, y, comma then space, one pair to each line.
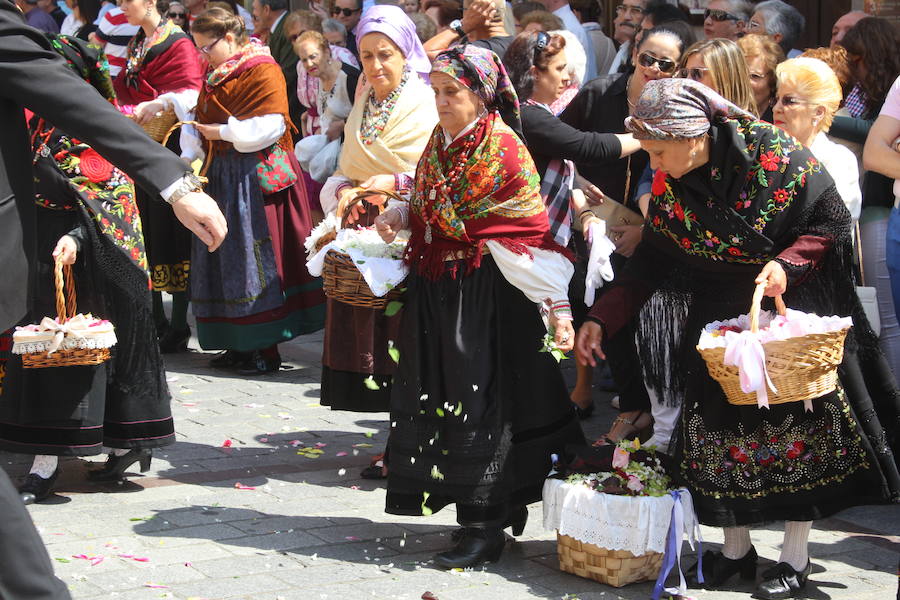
392, 21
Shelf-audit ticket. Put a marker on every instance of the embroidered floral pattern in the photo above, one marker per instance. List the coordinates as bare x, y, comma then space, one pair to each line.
799, 453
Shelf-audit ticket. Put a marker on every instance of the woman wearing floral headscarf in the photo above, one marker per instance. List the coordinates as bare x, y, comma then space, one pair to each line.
477, 409
383, 139
737, 202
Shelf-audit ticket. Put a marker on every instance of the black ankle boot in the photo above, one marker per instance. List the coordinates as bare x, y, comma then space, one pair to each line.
115, 466
477, 546
35, 488
174, 340
717, 569
782, 581
229, 359
517, 519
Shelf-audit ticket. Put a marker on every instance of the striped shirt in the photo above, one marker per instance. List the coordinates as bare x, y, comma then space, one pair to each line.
115, 32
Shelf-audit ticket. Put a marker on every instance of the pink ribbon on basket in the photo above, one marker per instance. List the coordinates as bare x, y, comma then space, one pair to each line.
77, 327
746, 352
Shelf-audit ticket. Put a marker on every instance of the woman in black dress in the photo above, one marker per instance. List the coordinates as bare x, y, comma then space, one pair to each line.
737, 202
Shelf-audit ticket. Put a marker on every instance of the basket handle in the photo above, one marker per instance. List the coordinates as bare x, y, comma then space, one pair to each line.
362, 195
206, 160
757, 301
65, 291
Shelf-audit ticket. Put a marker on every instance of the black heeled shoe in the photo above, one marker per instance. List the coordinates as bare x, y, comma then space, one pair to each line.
115, 467
35, 488
257, 364
174, 340
717, 569
517, 519
477, 546
782, 581
229, 359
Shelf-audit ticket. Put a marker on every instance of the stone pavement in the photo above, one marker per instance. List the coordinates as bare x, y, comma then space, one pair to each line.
260, 499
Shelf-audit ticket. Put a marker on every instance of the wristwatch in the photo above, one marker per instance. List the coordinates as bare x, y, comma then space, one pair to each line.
456, 25
189, 183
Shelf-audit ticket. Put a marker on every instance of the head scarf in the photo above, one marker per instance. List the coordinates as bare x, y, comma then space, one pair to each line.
391, 21
481, 71
678, 109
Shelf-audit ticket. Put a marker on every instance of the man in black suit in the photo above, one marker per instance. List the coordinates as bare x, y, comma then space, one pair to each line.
33, 76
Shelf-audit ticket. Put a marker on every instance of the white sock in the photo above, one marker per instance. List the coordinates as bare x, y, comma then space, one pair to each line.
119, 451
795, 548
737, 542
44, 465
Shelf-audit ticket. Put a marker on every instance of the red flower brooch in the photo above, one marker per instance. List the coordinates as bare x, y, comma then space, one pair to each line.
94, 167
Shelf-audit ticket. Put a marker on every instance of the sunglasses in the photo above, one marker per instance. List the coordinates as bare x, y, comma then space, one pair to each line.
207, 48
719, 15
345, 11
293, 37
543, 39
788, 101
175, 15
645, 59
695, 73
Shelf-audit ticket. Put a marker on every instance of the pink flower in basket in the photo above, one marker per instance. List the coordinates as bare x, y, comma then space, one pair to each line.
634, 484
620, 458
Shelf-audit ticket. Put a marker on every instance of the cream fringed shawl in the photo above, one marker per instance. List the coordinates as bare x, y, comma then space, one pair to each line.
398, 148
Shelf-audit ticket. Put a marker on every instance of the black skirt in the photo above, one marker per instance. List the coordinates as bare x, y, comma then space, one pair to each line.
477, 409
745, 465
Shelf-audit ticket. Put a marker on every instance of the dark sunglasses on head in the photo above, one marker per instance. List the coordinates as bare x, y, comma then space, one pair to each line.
788, 101
695, 73
345, 11
543, 38
175, 15
663, 64
719, 15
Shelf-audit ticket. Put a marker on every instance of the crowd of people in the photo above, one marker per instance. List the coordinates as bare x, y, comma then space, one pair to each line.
490, 133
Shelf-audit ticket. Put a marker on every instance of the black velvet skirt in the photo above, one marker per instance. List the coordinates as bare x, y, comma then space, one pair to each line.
476, 410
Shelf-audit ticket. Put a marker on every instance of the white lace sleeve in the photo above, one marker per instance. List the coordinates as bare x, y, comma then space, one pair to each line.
543, 279
183, 103
255, 133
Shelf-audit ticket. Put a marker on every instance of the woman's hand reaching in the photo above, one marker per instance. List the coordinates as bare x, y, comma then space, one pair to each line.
587, 345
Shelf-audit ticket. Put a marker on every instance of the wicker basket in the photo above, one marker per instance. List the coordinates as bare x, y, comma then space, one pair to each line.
801, 368
611, 567
65, 303
341, 279
159, 126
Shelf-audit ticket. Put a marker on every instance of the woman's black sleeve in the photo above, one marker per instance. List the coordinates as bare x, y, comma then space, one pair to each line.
554, 138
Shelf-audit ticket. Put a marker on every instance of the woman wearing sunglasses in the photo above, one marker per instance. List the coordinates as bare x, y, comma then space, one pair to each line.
602, 106
178, 14
719, 65
762, 54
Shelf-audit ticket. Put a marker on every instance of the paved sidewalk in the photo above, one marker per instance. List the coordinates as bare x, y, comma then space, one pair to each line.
261, 499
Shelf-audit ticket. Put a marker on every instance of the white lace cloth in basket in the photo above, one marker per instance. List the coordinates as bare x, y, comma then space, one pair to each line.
638, 524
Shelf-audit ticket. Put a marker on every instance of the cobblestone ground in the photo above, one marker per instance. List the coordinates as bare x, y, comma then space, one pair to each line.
261, 499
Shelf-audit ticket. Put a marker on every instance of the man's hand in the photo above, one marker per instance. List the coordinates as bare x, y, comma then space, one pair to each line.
200, 213
626, 238
387, 224
587, 344
210, 132
478, 15
66, 250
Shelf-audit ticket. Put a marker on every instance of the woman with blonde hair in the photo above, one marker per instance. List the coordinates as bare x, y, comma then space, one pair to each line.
809, 94
762, 55
719, 65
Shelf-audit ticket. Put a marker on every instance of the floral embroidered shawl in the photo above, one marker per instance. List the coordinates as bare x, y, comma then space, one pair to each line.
253, 53
168, 62
753, 189
495, 197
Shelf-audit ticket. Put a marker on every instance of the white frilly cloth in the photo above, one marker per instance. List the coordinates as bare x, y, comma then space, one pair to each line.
638, 524
599, 267
382, 273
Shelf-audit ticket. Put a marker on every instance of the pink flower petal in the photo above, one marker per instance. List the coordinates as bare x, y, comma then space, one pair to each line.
156, 586
341, 454
320, 445
141, 559
263, 440
351, 538
241, 486
226, 444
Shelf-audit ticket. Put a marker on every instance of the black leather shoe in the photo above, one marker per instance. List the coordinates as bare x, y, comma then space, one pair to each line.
258, 364
174, 340
476, 547
229, 359
517, 519
36, 488
717, 569
115, 467
782, 581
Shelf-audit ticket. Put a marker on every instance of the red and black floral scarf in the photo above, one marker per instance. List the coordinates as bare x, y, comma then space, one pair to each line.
753, 189
483, 186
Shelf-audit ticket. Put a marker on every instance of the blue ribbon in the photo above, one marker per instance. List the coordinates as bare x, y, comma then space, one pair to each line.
672, 554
